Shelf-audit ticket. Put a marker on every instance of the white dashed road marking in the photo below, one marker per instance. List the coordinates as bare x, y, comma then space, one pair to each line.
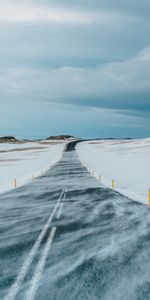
60, 210
25, 267
40, 267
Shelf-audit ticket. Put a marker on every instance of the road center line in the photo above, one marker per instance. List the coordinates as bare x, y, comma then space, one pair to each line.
59, 211
61, 205
24, 269
40, 267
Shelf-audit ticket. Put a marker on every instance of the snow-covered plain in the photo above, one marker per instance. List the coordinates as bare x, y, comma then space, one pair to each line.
125, 161
27, 160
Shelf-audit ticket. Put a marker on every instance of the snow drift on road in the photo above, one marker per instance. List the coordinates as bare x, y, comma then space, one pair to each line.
22, 161
125, 161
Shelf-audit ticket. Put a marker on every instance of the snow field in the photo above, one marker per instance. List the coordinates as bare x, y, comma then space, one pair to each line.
26, 161
124, 161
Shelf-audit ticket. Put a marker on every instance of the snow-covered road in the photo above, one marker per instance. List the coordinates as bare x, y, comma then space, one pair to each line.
65, 236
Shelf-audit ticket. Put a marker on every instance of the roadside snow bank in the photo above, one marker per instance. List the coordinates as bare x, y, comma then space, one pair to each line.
27, 160
125, 161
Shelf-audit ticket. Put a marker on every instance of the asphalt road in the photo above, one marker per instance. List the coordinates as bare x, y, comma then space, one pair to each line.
67, 237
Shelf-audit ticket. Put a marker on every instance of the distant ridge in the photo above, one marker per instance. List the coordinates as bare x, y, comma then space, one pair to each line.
9, 139
60, 137
12, 139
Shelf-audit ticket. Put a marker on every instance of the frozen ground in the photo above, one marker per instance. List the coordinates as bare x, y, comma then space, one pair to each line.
22, 161
125, 161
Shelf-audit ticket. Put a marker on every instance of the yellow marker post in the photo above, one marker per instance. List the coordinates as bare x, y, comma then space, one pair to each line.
113, 184
33, 177
14, 183
149, 197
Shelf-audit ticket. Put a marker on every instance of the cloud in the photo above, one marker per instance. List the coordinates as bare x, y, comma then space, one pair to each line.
123, 85
73, 34
85, 12
86, 55
20, 12
37, 119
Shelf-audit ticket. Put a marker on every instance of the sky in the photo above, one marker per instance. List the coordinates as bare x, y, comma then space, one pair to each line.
75, 67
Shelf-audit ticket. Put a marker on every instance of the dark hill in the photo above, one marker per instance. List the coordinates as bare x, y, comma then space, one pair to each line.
59, 137
8, 139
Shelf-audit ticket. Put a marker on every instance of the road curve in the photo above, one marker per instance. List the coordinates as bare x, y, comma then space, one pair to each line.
65, 236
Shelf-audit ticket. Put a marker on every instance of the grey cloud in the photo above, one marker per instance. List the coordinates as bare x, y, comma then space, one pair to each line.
139, 8
51, 45
95, 65
56, 46
114, 85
